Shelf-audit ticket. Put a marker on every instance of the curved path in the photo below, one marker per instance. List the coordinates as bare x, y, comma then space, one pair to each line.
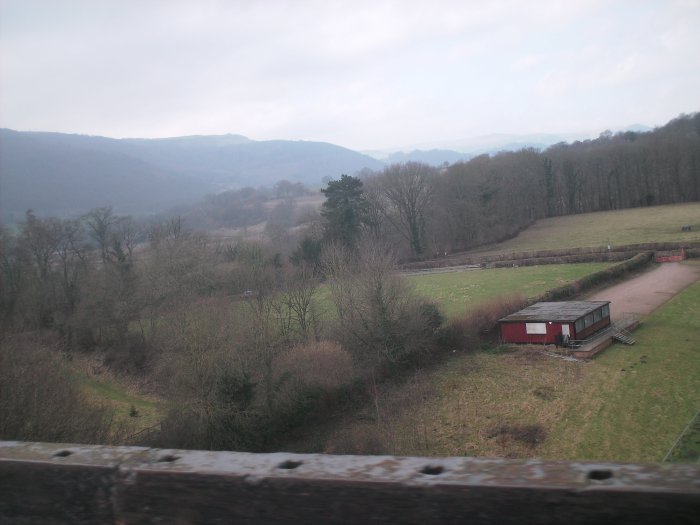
643, 294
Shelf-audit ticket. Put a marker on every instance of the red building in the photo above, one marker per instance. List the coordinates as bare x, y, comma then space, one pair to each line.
547, 323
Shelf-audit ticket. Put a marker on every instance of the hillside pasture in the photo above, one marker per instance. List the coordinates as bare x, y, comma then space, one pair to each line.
635, 401
615, 228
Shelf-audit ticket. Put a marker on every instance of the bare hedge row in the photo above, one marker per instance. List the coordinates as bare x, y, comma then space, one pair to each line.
594, 279
569, 255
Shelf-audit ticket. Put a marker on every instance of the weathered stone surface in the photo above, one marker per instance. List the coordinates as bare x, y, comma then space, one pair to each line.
49, 483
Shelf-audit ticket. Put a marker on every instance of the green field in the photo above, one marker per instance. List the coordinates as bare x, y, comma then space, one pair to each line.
629, 404
132, 410
635, 401
147, 410
457, 293
620, 227
687, 448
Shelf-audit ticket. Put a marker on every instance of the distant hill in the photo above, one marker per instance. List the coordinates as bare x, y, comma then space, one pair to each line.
452, 151
497, 142
63, 174
433, 157
54, 175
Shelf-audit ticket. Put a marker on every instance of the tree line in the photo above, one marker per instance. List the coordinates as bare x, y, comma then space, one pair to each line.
425, 211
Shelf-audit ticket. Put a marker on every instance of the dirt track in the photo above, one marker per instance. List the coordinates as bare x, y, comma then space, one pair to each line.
645, 293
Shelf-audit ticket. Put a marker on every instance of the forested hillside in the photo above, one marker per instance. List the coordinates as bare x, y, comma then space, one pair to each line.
67, 175
426, 211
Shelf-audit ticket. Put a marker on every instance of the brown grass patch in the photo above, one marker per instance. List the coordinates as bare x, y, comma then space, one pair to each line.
321, 364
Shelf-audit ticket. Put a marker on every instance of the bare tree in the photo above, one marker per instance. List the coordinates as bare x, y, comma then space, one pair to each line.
128, 234
380, 320
100, 223
298, 299
407, 190
41, 238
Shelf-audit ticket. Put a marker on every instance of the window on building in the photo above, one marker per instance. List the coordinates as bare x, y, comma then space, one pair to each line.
606, 310
597, 315
578, 325
536, 328
588, 320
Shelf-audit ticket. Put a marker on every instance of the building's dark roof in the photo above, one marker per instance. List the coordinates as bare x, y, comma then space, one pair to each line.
562, 311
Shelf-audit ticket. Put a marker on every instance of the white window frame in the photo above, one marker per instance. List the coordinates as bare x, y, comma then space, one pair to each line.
536, 328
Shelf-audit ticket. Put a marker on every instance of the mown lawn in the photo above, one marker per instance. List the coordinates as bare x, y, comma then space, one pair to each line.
619, 227
457, 293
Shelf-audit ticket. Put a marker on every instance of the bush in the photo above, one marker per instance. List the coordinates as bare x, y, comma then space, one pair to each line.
309, 381
463, 332
39, 401
381, 322
322, 365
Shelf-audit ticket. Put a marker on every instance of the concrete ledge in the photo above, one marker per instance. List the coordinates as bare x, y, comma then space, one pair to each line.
55, 483
597, 344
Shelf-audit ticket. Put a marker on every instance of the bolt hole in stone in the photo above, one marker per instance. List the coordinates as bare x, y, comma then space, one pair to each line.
600, 475
432, 470
289, 464
62, 454
168, 458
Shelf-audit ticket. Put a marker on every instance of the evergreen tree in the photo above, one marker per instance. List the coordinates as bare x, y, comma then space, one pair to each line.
345, 211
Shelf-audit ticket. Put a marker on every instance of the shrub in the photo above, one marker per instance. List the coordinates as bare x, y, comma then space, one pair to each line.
463, 332
381, 322
323, 364
307, 379
39, 401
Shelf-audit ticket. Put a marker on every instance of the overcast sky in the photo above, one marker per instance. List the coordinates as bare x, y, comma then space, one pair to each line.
365, 75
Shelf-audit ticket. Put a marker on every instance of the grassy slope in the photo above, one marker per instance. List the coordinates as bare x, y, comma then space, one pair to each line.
635, 401
118, 396
465, 398
458, 293
620, 227
589, 410
102, 387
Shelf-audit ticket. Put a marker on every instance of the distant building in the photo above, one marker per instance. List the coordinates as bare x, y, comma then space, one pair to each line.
553, 322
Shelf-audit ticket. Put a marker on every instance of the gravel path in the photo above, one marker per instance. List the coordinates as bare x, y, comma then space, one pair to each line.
645, 293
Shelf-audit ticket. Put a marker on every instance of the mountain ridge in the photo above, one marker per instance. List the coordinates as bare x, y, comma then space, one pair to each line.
68, 174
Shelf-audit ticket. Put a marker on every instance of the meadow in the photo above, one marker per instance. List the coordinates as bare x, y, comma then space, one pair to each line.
629, 404
615, 228
458, 293
635, 401
133, 410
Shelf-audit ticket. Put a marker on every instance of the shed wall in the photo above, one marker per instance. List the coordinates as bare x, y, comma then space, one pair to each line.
517, 333
605, 321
